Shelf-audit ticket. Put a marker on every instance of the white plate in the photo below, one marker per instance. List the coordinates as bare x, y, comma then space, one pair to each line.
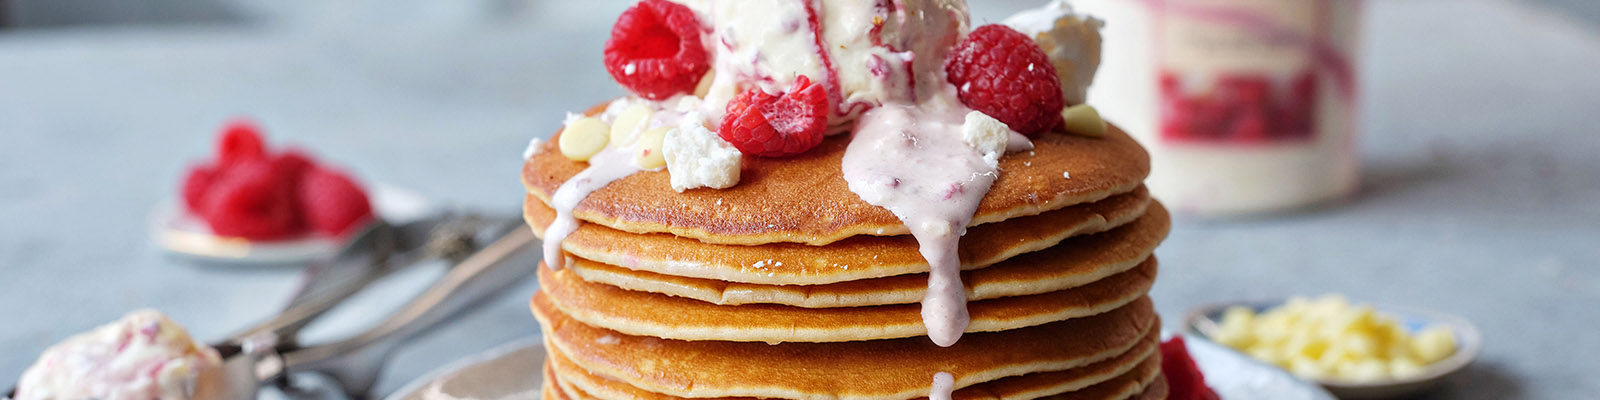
1236, 376
177, 231
514, 372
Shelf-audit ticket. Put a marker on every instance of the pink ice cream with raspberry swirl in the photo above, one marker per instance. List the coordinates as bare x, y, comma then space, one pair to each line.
143, 356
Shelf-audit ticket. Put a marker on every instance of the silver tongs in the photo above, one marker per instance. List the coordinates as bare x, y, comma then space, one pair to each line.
269, 353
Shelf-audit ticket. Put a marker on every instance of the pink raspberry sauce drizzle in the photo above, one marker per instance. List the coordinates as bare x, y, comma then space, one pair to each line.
911, 160
943, 388
608, 165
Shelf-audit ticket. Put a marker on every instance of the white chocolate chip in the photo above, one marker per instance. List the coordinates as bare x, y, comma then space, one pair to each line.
629, 124
1083, 120
647, 151
583, 138
697, 157
705, 84
987, 135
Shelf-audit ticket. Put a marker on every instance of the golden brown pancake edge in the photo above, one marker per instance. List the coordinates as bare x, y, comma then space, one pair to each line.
857, 258
885, 369
669, 317
1132, 365
1075, 262
805, 199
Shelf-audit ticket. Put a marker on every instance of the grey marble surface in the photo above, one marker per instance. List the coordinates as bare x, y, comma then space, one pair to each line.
1482, 192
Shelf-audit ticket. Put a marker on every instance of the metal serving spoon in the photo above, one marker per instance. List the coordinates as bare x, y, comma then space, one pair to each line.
269, 353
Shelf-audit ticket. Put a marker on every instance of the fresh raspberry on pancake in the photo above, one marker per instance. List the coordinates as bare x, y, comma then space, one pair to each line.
655, 50
1004, 74
786, 124
331, 202
250, 201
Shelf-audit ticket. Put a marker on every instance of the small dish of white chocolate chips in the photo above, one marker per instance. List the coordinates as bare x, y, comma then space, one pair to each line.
1355, 350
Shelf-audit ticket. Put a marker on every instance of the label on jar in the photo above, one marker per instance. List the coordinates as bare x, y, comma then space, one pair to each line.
1245, 72
1246, 106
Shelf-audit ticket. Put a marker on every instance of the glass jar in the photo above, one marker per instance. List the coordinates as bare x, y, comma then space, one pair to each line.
1246, 105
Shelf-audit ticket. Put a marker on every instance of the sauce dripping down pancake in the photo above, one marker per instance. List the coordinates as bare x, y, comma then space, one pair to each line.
610, 164
911, 160
943, 385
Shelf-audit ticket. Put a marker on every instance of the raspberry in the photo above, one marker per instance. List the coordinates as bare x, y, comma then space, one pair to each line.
196, 185
240, 140
331, 202
247, 200
291, 165
1002, 73
781, 125
655, 50
1184, 380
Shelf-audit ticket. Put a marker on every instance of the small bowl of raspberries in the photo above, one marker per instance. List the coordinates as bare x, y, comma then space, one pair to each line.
249, 202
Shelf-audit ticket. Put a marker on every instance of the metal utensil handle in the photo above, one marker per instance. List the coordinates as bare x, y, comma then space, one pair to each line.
353, 362
313, 301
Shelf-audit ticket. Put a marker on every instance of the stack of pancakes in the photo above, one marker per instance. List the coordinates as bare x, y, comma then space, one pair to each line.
789, 286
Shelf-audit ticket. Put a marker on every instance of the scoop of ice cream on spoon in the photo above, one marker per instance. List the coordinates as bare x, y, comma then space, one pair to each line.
143, 356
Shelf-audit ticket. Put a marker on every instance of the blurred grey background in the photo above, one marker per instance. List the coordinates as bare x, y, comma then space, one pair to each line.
46, 13
104, 102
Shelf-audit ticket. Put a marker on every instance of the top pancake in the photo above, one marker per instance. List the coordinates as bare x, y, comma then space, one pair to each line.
805, 198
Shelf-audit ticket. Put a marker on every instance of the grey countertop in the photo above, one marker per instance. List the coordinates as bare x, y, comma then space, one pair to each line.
1481, 153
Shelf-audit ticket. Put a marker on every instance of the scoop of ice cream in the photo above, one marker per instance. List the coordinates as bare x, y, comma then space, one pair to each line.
1071, 40
143, 356
865, 53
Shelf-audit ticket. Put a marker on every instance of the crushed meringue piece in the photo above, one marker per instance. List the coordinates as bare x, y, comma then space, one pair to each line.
533, 148
697, 157
987, 135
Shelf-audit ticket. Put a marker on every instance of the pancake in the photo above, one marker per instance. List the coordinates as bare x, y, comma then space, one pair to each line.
862, 257
1073, 263
805, 199
1119, 390
1132, 363
1125, 386
552, 388
1144, 383
879, 369
668, 317
1156, 389
549, 391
